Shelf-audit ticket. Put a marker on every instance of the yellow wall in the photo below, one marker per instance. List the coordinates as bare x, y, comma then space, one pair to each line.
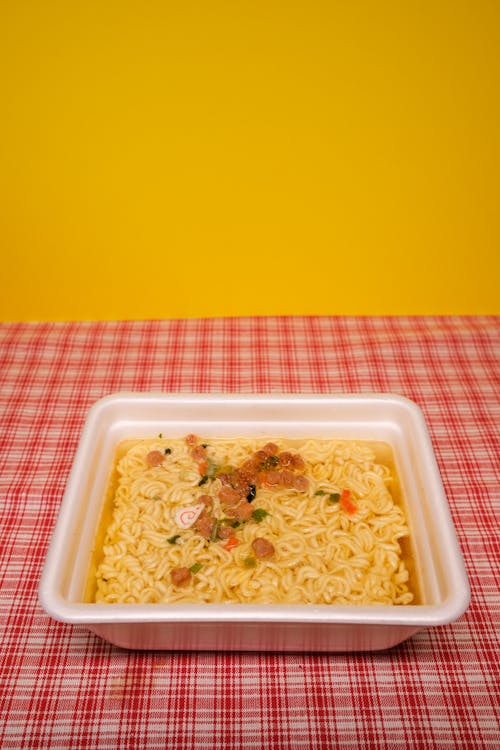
181, 159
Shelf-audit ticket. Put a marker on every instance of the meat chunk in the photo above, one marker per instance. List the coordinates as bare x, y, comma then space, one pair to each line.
204, 524
287, 478
246, 475
273, 477
206, 500
259, 457
270, 449
301, 483
263, 548
298, 462
286, 458
242, 512
226, 532
155, 458
229, 496
180, 576
225, 478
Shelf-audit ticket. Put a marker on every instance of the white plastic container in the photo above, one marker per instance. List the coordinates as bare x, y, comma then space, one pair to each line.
390, 418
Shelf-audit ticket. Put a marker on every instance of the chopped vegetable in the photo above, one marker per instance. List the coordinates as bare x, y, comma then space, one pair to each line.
259, 514
334, 497
173, 539
196, 568
320, 492
346, 502
208, 469
250, 562
212, 468
231, 543
168, 451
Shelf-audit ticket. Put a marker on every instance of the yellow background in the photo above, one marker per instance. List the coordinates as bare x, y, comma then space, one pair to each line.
182, 159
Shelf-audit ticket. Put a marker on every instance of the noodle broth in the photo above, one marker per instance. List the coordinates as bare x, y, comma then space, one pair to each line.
341, 538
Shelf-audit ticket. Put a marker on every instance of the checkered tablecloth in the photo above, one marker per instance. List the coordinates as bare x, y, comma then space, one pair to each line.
62, 687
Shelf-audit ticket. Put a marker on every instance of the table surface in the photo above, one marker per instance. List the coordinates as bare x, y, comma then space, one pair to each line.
62, 686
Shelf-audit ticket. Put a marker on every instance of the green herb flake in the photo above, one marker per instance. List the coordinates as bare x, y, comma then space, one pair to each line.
250, 562
334, 497
160, 435
215, 531
173, 539
195, 568
168, 451
203, 480
259, 514
320, 492
226, 521
269, 463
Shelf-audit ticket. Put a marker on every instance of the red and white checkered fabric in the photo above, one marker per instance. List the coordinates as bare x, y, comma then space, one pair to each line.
62, 687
